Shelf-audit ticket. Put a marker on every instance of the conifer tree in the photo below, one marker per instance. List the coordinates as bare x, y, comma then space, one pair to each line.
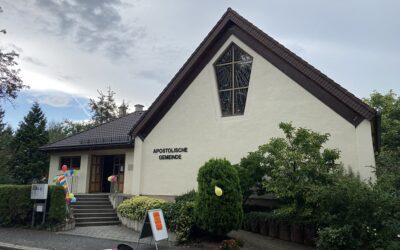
104, 109
28, 162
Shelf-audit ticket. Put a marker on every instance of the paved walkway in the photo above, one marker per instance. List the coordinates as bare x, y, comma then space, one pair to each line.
107, 237
51, 240
120, 233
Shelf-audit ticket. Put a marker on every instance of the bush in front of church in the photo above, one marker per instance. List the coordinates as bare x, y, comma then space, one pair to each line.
216, 213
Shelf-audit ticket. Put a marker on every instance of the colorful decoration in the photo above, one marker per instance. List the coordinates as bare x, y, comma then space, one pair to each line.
112, 178
55, 179
62, 180
218, 191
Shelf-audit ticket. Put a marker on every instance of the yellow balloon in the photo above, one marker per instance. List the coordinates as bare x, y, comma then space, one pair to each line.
109, 178
71, 195
218, 191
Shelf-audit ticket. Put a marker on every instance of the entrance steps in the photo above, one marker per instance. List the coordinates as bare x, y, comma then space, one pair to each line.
94, 210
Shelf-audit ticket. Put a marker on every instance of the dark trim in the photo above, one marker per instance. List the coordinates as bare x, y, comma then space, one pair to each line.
326, 90
297, 76
86, 148
377, 132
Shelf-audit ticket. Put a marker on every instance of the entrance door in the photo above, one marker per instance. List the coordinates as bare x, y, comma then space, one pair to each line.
102, 167
96, 174
119, 169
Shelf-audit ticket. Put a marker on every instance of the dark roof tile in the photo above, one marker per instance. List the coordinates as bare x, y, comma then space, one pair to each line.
115, 132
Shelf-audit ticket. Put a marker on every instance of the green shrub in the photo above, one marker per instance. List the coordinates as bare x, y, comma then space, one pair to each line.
189, 196
180, 219
372, 216
15, 205
218, 214
136, 207
252, 169
57, 209
337, 238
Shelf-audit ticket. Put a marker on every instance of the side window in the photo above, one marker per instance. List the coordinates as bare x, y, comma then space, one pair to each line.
71, 161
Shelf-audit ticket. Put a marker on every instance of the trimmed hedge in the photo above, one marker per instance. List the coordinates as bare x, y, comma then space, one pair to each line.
179, 216
136, 207
57, 211
16, 205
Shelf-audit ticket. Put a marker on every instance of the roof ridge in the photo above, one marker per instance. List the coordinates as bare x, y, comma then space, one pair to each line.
300, 60
333, 94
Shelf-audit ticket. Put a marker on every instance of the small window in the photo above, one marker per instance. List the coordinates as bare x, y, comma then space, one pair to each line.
71, 161
233, 69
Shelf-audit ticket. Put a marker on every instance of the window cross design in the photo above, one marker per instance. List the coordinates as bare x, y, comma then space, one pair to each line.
233, 69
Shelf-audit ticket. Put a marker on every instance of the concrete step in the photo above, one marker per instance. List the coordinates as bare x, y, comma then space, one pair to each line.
86, 202
91, 224
79, 199
93, 195
92, 206
98, 214
96, 219
90, 210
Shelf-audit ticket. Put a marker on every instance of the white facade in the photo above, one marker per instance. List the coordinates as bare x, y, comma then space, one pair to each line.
195, 122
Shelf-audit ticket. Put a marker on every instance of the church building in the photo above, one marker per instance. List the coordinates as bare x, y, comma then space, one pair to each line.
227, 99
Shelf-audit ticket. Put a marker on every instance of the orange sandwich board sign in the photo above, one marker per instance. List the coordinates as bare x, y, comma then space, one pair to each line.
154, 225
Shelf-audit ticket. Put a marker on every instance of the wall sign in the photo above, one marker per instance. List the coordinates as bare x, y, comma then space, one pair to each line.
39, 191
170, 153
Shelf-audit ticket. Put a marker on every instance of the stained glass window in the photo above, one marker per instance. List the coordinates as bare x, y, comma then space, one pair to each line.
233, 69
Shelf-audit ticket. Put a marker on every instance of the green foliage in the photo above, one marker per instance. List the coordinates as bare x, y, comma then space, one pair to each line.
28, 162
389, 106
337, 238
189, 196
60, 130
10, 81
252, 169
6, 138
371, 215
136, 207
15, 205
298, 164
180, 219
57, 208
104, 109
218, 215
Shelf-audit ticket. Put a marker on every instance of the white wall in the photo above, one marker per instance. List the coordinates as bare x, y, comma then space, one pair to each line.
84, 172
195, 122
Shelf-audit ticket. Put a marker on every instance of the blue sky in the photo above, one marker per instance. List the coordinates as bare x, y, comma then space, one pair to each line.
69, 49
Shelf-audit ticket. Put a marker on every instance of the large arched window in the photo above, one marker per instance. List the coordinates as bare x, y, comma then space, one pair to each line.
233, 69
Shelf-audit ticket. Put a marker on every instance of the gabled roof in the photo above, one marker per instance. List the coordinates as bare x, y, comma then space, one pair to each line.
113, 134
322, 87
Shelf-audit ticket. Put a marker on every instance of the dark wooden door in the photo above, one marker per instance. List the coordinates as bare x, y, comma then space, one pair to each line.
96, 174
